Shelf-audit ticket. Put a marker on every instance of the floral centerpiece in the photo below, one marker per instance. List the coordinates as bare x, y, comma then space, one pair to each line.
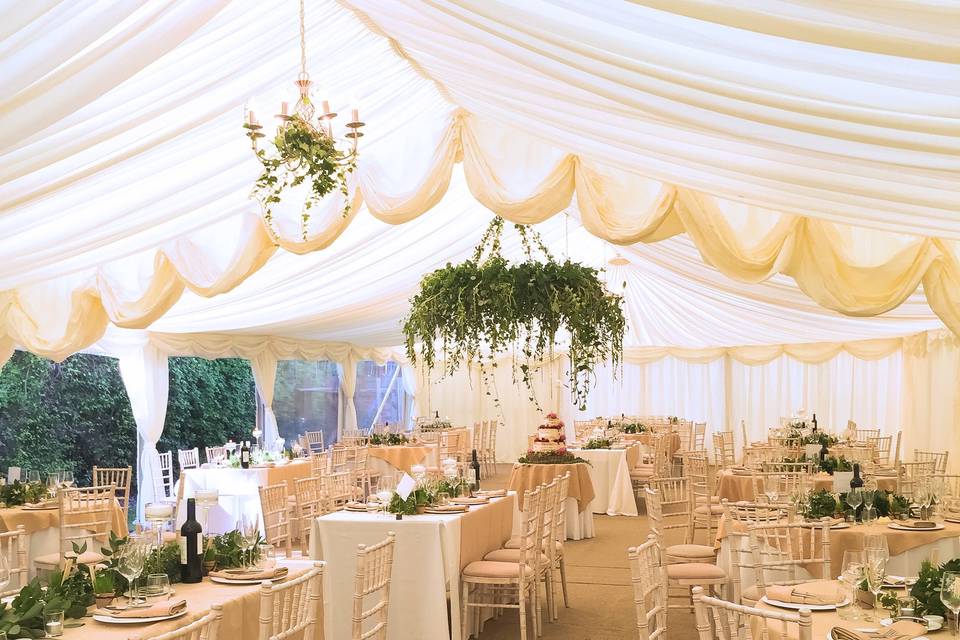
598, 443
388, 439
19, 493
822, 503
633, 427
560, 456
474, 311
927, 588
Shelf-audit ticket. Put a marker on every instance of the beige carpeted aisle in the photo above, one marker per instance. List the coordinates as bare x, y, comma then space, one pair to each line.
601, 599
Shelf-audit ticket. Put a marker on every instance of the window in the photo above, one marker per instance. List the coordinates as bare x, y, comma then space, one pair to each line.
380, 395
306, 397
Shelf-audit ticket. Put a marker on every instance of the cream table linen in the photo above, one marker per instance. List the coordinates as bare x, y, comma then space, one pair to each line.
610, 476
399, 458
239, 490
524, 477
736, 487
430, 550
241, 609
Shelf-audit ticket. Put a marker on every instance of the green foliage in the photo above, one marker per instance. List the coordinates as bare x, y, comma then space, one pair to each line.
831, 464
598, 443
227, 552
302, 153
23, 616
550, 457
927, 588
485, 306
75, 414
637, 427
821, 504
18, 493
388, 439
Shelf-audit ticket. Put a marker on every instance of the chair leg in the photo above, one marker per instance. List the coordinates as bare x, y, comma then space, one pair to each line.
523, 611
551, 596
563, 581
465, 594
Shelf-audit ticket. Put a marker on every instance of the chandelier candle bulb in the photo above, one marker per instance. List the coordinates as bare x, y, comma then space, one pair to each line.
355, 115
284, 108
326, 107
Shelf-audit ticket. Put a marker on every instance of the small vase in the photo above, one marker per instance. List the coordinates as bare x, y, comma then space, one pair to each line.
421, 508
103, 599
208, 566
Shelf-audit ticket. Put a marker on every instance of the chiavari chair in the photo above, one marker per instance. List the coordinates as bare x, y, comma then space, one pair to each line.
738, 517
216, 455
338, 487
785, 552
649, 579
939, 459
86, 517
703, 498
163, 482
560, 535
755, 456
13, 547
374, 570
685, 574
276, 515
319, 464
684, 431
544, 564
367, 479
724, 449
699, 438
911, 474
519, 578
668, 507
489, 453
787, 484
293, 607
882, 446
314, 441
655, 465
950, 484
310, 503
188, 458
204, 628
339, 458
119, 477
721, 620
864, 435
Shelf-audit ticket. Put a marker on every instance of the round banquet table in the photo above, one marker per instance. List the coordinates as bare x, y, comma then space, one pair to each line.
610, 476
737, 487
390, 459
525, 477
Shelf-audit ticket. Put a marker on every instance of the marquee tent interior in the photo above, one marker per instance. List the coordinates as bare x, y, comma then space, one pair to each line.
775, 200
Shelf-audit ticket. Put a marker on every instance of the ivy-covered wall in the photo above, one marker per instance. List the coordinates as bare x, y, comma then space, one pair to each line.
74, 414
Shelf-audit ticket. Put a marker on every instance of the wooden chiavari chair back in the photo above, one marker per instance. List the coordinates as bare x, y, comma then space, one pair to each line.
319, 464
204, 628
738, 518
314, 441
310, 503
911, 474
294, 607
724, 450
276, 515
721, 620
13, 548
882, 446
215, 455
938, 458
188, 458
668, 507
865, 435
164, 483
649, 581
374, 570
86, 517
784, 552
118, 477
699, 438
339, 458
338, 487
702, 487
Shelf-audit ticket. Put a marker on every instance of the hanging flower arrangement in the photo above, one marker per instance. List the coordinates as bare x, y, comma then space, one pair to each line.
485, 306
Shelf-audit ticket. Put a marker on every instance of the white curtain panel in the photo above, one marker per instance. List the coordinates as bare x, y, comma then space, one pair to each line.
347, 370
145, 375
264, 367
408, 377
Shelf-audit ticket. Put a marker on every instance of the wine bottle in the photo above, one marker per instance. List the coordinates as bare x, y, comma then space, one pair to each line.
856, 481
191, 546
824, 452
474, 471
436, 414
245, 455
814, 423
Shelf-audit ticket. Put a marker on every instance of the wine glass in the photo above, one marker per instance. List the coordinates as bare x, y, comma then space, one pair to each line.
878, 542
868, 498
950, 596
854, 499
771, 487
248, 529
33, 476
53, 483
66, 477
852, 575
876, 569
130, 565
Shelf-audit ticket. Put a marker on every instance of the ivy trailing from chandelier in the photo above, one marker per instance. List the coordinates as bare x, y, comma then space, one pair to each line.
484, 306
304, 149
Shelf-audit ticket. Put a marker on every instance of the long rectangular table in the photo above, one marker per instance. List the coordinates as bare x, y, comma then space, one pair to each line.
429, 554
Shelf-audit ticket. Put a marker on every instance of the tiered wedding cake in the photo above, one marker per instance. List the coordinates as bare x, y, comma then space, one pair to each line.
550, 436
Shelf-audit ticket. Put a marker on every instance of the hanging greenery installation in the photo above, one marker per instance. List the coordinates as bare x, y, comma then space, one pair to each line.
482, 307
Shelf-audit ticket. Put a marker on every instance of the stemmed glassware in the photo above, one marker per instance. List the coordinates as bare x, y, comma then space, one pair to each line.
854, 499
950, 597
878, 542
66, 477
868, 506
771, 487
852, 575
33, 476
875, 568
53, 483
249, 532
130, 564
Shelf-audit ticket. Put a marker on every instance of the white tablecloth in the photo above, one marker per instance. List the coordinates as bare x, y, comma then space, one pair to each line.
426, 563
239, 493
610, 476
579, 524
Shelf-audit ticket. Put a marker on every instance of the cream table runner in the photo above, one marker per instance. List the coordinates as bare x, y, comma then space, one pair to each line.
430, 550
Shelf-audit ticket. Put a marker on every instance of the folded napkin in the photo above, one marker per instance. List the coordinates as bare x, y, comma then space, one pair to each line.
919, 524
823, 592
493, 493
160, 609
477, 500
451, 508
269, 573
902, 630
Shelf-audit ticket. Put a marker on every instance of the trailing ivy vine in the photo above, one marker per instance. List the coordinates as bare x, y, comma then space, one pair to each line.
486, 305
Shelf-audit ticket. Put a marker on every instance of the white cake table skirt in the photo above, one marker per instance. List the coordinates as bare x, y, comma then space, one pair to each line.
610, 476
579, 524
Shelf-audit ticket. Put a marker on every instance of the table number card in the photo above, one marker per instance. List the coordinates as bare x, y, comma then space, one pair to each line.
13, 474
406, 486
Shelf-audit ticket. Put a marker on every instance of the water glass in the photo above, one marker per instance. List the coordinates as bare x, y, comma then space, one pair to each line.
854, 499
33, 476
876, 570
66, 477
771, 487
443, 499
158, 585
53, 623
852, 574
130, 564
877, 541
950, 596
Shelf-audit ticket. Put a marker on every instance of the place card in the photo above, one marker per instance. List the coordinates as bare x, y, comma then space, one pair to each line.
406, 486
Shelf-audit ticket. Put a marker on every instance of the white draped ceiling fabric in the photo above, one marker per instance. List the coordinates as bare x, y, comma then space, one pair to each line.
772, 175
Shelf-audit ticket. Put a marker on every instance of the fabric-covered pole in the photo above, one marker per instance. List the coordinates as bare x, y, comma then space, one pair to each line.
6, 350
409, 376
348, 384
145, 374
264, 367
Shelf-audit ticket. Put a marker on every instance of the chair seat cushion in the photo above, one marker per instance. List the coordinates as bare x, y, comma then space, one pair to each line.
87, 557
751, 596
692, 552
512, 543
695, 571
642, 471
489, 569
510, 555
715, 510
713, 500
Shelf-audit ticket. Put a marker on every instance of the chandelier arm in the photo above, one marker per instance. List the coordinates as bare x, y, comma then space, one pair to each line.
303, 41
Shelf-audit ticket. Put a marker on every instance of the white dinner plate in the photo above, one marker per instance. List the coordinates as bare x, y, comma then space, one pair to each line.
899, 527
40, 507
864, 629
932, 625
112, 620
899, 582
796, 607
221, 580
